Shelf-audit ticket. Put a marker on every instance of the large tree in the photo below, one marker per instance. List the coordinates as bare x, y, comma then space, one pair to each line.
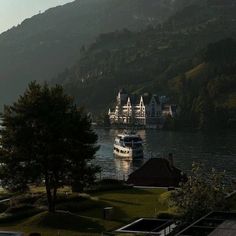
46, 138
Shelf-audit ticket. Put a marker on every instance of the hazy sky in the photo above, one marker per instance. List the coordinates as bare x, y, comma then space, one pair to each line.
13, 12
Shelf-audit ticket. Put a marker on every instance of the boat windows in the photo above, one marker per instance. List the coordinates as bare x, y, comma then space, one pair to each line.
132, 139
116, 149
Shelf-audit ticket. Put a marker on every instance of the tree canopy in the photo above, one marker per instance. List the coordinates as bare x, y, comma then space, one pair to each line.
46, 139
203, 192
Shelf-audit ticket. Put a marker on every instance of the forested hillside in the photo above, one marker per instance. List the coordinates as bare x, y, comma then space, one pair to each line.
156, 46
150, 59
158, 59
207, 93
47, 43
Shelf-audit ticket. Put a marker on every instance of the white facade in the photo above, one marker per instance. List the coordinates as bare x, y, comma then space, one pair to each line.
140, 110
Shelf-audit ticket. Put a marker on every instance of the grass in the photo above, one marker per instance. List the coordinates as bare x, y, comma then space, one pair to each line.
49, 225
87, 217
130, 204
84, 216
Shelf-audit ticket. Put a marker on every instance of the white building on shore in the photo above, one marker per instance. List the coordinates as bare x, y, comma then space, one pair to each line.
139, 110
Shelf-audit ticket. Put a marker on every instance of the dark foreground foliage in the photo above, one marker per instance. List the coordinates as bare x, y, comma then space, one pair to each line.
46, 139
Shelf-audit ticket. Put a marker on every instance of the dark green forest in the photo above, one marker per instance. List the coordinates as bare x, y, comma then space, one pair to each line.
207, 94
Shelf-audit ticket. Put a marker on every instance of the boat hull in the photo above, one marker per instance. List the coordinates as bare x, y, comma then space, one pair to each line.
127, 152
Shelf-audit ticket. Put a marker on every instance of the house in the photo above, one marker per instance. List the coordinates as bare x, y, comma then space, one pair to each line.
157, 172
143, 110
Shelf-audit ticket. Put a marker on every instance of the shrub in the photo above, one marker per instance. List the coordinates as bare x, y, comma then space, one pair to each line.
203, 192
167, 215
75, 207
63, 198
165, 198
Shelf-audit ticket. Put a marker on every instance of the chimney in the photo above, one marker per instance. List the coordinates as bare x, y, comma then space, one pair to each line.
171, 159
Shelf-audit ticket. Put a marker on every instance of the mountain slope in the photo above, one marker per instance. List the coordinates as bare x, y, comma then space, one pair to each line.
146, 60
207, 92
47, 43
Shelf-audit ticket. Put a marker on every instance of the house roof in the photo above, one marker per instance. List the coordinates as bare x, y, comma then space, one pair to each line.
148, 225
227, 228
213, 224
123, 102
135, 99
147, 98
157, 172
157, 99
169, 107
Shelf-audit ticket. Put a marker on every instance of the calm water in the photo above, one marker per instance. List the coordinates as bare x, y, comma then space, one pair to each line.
215, 150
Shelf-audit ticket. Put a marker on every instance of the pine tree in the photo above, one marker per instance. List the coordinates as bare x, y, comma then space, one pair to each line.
47, 139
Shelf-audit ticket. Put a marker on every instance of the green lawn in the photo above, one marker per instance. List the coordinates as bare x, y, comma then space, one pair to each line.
128, 205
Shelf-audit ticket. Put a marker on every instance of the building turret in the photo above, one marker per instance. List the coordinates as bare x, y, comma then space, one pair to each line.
122, 96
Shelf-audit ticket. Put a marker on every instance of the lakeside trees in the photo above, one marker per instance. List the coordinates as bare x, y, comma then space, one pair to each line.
46, 139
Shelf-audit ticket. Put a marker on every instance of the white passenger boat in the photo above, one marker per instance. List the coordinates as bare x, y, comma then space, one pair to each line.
128, 145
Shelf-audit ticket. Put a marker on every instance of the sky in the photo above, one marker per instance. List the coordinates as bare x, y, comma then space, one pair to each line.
13, 12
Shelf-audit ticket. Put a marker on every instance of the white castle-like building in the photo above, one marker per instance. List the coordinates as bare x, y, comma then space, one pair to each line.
140, 110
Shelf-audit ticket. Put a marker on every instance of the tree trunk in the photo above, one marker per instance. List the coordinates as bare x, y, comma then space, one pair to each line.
50, 197
54, 198
51, 204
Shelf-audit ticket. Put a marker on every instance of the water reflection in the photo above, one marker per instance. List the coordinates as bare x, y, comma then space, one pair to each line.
123, 167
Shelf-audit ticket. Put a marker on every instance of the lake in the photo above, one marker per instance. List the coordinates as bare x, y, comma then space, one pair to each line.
214, 150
